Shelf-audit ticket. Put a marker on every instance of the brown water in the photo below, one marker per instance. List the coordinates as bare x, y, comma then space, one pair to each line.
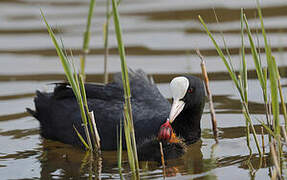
160, 37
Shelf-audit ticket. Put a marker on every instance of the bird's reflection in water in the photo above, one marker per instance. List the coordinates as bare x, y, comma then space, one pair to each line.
190, 163
63, 161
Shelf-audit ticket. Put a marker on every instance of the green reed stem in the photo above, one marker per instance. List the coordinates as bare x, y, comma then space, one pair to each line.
243, 82
236, 82
85, 106
220, 53
106, 42
81, 138
82, 110
130, 153
273, 79
77, 86
248, 117
273, 75
255, 56
268, 57
86, 40
91, 119
120, 146
244, 66
127, 92
283, 106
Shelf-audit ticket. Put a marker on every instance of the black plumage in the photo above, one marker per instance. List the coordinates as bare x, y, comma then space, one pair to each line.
187, 123
58, 112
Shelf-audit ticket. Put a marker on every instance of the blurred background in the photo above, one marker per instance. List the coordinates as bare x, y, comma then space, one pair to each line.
160, 38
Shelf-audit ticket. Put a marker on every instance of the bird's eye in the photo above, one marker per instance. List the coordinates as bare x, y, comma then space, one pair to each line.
190, 90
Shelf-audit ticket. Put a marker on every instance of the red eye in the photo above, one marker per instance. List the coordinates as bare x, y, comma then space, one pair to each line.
190, 90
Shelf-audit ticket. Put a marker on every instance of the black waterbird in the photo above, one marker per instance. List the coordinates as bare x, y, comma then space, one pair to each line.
154, 117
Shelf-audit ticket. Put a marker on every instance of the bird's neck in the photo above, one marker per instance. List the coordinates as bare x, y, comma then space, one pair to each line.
187, 124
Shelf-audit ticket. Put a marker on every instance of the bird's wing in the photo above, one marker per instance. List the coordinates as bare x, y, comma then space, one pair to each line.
142, 89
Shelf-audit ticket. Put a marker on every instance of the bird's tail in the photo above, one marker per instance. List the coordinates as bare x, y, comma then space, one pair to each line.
40, 100
32, 112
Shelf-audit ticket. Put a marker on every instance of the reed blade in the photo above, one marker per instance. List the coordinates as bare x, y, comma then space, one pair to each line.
86, 40
106, 42
243, 60
236, 82
120, 146
273, 79
73, 81
273, 74
255, 56
222, 56
126, 85
128, 142
62, 57
81, 138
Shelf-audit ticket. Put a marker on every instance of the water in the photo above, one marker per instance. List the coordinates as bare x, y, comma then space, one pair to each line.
160, 37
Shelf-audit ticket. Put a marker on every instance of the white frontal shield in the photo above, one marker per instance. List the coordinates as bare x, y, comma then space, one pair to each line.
178, 87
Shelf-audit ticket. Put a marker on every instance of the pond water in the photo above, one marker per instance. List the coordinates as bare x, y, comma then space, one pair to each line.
160, 38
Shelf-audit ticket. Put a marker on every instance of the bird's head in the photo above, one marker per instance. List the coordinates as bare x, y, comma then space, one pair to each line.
188, 96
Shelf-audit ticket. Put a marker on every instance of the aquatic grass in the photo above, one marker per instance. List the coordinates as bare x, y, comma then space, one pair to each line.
275, 86
128, 119
130, 152
240, 81
271, 91
262, 76
268, 58
81, 138
222, 56
86, 39
242, 77
120, 147
283, 106
106, 41
236, 81
274, 94
78, 88
243, 72
243, 80
255, 56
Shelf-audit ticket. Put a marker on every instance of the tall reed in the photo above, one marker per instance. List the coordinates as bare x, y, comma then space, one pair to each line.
106, 41
236, 81
86, 40
272, 90
128, 119
77, 84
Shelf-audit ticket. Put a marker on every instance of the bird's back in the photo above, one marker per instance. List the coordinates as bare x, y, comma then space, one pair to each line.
58, 112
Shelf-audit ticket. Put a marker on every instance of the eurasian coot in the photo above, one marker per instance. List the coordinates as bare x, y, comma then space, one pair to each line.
58, 111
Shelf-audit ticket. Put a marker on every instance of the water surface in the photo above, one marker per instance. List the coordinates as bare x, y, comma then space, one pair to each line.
160, 38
